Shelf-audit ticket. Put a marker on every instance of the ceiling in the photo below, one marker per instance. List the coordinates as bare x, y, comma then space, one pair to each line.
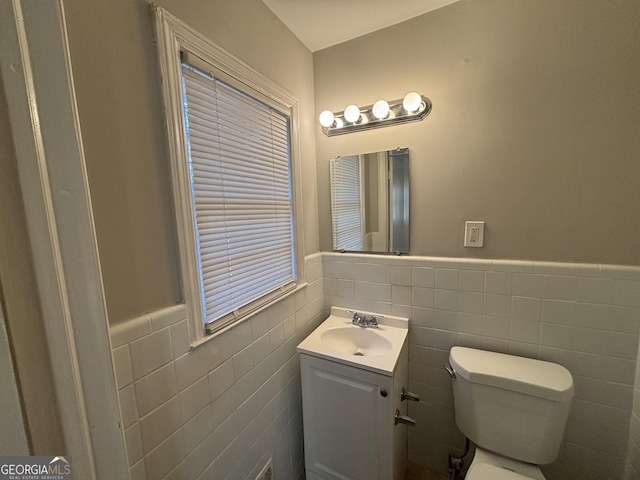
322, 23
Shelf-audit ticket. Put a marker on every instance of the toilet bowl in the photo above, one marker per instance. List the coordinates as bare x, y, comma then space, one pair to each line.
514, 409
490, 466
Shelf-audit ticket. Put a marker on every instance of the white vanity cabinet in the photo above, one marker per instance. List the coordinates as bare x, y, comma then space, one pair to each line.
349, 425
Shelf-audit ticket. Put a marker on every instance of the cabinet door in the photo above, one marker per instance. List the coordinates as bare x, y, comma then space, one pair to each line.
348, 421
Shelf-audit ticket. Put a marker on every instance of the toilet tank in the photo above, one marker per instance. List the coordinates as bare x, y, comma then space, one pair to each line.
513, 406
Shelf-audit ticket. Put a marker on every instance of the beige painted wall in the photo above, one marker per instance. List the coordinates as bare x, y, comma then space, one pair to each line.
120, 105
534, 127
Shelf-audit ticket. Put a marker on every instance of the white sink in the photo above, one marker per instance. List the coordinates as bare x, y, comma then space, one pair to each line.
374, 349
357, 341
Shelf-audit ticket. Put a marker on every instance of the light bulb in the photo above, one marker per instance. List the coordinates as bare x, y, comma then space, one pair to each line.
326, 118
352, 113
412, 102
380, 109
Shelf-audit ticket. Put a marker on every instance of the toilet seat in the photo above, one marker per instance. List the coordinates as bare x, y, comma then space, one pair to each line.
491, 466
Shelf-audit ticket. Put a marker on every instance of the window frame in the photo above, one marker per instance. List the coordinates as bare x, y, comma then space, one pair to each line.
174, 38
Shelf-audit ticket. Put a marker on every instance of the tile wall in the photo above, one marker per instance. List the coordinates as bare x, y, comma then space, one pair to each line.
585, 317
221, 410
633, 453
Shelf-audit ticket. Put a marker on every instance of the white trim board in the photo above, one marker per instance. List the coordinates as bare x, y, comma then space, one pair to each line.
36, 70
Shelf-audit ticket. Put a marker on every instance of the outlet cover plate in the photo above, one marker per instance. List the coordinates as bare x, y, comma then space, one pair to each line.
474, 234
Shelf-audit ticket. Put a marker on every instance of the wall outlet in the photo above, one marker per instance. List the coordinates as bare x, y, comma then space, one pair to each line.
267, 471
473, 234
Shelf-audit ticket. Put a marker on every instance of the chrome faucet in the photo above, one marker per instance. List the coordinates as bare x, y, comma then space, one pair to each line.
365, 321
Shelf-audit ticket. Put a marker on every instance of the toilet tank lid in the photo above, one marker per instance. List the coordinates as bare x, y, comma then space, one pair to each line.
525, 375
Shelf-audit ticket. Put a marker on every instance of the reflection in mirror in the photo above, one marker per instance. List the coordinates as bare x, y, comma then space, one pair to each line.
370, 202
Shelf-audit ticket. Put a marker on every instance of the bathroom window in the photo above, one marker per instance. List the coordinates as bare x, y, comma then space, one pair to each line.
232, 136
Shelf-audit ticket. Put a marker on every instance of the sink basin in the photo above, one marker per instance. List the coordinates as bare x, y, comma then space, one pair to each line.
373, 349
355, 340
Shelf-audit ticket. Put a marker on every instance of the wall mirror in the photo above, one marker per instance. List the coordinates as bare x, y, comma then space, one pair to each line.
370, 202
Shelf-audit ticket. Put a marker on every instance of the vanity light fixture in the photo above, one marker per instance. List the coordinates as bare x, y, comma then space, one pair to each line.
411, 108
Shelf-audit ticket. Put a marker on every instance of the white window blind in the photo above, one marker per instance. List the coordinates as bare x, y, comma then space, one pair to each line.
239, 154
346, 203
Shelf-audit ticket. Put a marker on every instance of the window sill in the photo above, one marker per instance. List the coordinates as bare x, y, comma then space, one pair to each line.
205, 338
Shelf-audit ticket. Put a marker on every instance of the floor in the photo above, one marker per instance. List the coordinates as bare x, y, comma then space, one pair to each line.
416, 472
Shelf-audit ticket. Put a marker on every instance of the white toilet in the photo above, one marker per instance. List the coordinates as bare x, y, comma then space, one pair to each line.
514, 409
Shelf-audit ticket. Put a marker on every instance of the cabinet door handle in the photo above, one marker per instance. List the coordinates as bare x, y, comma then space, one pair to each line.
403, 419
404, 395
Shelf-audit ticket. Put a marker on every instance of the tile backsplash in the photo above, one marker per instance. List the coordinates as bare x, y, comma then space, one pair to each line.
585, 317
221, 410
